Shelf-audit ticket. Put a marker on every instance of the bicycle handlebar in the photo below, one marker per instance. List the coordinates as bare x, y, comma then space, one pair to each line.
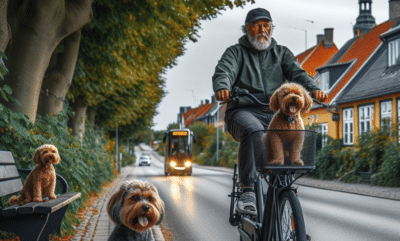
237, 92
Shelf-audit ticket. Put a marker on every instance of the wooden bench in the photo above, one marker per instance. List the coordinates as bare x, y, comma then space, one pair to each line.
32, 221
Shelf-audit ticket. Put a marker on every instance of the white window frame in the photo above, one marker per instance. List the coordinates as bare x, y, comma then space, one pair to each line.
365, 117
394, 52
348, 126
386, 113
324, 84
323, 130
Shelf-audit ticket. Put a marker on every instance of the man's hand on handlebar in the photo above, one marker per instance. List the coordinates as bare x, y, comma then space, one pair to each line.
320, 95
222, 95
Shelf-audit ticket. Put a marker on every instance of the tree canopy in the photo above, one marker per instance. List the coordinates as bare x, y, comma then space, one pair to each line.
125, 48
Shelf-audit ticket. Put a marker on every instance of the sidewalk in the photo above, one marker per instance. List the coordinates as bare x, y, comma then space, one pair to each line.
96, 223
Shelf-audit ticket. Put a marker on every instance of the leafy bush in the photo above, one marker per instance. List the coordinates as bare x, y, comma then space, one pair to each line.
371, 148
327, 164
229, 151
389, 171
127, 159
228, 148
346, 163
202, 132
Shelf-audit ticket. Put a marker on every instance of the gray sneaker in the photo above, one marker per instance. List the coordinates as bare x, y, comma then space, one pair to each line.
247, 204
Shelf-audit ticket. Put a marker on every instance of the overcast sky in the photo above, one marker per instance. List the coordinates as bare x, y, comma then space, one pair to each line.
190, 81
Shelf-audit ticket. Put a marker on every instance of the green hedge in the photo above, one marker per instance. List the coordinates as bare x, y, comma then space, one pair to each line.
375, 151
389, 172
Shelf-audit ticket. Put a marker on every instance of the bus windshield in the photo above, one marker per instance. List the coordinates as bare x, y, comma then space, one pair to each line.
179, 145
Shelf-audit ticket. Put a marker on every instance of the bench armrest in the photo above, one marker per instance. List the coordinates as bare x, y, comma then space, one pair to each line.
61, 185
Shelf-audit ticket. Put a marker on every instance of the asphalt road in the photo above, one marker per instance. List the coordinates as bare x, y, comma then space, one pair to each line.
197, 208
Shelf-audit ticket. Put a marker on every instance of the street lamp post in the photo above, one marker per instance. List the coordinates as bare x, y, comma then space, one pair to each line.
305, 31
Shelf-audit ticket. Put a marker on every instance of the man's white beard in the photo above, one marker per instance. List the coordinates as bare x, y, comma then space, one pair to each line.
260, 44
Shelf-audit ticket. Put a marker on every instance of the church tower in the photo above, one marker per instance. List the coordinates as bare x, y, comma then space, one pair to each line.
365, 21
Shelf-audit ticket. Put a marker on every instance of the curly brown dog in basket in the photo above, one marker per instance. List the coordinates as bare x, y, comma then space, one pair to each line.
284, 147
42, 180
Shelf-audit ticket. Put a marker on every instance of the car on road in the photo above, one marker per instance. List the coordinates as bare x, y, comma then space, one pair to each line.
145, 153
144, 160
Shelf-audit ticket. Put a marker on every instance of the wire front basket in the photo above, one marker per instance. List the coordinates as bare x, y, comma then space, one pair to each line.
288, 151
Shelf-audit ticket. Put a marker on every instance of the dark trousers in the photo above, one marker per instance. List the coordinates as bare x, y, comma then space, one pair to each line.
246, 125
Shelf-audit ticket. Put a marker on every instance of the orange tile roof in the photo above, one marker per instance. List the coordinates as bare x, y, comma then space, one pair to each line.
316, 57
302, 56
361, 50
195, 113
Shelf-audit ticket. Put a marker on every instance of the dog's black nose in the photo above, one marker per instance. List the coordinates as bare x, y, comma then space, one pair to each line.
50, 157
145, 208
294, 98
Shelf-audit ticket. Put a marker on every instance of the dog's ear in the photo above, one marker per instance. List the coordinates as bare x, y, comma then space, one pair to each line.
160, 219
58, 158
112, 203
308, 102
36, 159
274, 101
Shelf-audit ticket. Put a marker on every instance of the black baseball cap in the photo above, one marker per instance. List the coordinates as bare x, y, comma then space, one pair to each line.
256, 14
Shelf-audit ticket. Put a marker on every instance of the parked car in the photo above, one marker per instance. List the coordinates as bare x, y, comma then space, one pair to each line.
144, 160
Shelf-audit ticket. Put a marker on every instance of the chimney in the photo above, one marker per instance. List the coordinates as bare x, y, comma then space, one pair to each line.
201, 102
328, 40
184, 109
320, 37
207, 101
394, 9
213, 99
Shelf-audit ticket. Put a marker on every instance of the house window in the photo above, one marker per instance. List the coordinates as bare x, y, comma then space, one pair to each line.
348, 132
393, 52
386, 115
365, 115
324, 84
323, 129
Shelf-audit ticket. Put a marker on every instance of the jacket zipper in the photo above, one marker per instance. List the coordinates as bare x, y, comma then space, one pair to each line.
262, 78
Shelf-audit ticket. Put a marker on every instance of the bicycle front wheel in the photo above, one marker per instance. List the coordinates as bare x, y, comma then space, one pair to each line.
292, 221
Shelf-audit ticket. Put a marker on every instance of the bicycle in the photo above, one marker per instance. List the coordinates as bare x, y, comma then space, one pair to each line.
279, 214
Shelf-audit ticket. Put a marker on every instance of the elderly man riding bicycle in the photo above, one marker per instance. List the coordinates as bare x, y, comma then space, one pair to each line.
257, 63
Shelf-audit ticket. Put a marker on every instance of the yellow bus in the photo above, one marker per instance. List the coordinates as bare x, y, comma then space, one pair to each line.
178, 151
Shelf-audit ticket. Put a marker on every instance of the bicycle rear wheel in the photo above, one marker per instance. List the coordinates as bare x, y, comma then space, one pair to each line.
292, 222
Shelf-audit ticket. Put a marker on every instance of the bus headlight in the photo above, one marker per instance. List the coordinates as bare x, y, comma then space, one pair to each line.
172, 163
188, 163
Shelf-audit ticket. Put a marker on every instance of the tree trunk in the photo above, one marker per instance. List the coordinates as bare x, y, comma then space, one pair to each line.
5, 31
37, 28
59, 76
91, 115
77, 123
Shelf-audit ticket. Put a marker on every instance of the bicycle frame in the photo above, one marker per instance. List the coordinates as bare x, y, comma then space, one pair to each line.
268, 212
273, 221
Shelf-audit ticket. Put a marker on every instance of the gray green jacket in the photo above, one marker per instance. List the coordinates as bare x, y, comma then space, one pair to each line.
260, 72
